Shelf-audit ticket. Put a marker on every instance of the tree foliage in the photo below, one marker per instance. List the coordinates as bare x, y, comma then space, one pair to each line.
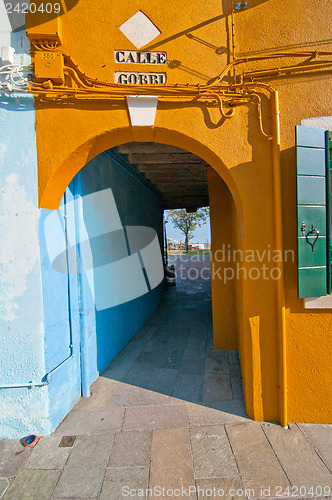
187, 222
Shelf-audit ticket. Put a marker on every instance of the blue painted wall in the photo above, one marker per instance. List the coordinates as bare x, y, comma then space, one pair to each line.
61, 316
50, 330
80, 339
22, 410
51, 333
137, 205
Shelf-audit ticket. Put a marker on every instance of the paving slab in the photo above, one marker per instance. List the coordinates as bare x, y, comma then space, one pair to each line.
177, 344
130, 449
195, 348
155, 417
4, 483
125, 482
46, 454
117, 372
227, 413
131, 350
297, 457
235, 370
209, 340
85, 470
139, 374
32, 485
320, 437
124, 360
192, 367
301, 498
163, 380
234, 406
171, 358
233, 357
12, 457
131, 395
217, 387
101, 392
216, 361
257, 463
147, 357
215, 489
145, 332
188, 387
237, 389
171, 460
212, 453
91, 422
155, 346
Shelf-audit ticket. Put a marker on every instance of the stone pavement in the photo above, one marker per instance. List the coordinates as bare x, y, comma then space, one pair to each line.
168, 413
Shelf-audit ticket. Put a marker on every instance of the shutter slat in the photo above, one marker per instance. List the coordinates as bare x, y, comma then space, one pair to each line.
312, 258
311, 161
313, 215
311, 190
312, 200
312, 281
310, 137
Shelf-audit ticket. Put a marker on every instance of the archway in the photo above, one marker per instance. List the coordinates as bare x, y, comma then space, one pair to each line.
100, 179
51, 188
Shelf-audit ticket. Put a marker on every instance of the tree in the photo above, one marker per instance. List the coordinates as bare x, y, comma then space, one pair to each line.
187, 222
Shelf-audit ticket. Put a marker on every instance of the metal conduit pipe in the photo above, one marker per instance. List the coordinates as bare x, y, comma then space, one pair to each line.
85, 385
48, 377
94, 88
280, 289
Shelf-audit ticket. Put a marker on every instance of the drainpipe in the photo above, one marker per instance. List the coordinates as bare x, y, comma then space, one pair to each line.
79, 222
233, 39
281, 309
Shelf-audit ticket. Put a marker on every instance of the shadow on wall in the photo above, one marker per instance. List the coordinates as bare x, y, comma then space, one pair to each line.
115, 251
11, 103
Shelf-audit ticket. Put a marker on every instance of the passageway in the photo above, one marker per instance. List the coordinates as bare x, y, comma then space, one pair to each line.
151, 347
169, 370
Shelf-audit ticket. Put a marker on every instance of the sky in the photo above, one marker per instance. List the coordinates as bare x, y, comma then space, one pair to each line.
201, 234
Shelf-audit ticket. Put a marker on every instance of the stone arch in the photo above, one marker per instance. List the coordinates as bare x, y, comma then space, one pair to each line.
56, 185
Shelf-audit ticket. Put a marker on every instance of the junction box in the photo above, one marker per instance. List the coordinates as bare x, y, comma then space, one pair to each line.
49, 66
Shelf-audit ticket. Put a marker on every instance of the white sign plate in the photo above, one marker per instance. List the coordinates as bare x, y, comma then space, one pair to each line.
138, 57
135, 78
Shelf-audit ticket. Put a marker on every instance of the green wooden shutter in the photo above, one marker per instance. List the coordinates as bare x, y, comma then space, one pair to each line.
313, 212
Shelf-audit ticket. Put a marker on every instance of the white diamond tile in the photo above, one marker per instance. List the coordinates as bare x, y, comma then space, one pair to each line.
139, 29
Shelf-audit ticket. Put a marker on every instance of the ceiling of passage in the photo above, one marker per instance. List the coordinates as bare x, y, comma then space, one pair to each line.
176, 173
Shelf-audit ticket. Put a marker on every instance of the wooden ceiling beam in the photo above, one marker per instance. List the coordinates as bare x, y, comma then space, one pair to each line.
176, 205
178, 194
148, 147
183, 185
178, 158
171, 168
175, 174
177, 180
181, 199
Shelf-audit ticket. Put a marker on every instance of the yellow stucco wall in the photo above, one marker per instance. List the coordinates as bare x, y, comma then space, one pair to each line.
223, 223
197, 39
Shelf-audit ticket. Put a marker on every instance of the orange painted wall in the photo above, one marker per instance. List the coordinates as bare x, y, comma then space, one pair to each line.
69, 135
223, 223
